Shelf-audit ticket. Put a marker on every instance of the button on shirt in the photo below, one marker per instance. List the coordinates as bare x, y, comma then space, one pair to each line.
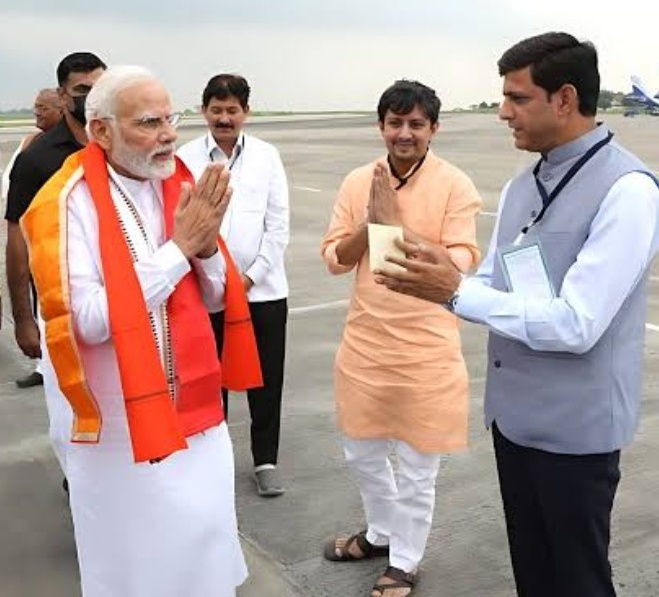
256, 225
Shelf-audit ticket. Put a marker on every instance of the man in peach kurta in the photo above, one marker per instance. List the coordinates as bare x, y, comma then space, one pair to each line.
400, 379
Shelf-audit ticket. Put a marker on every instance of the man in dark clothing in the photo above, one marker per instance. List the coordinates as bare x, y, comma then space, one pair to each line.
76, 74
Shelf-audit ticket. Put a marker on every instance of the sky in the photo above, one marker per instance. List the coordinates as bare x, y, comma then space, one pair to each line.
301, 55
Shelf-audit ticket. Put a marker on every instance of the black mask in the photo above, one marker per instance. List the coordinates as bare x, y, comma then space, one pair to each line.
78, 111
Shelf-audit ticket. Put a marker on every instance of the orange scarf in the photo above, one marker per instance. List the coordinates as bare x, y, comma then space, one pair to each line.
158, 426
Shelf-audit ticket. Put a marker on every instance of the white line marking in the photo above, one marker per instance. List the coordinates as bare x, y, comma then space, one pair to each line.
319, 307
652, 327
310, 189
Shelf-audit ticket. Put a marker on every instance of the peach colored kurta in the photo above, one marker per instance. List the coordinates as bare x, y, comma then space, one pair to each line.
399, 371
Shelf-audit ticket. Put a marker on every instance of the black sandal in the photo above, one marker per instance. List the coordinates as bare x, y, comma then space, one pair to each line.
342, 554
402, 580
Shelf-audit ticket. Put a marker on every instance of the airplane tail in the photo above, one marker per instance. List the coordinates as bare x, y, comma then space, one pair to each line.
641, 94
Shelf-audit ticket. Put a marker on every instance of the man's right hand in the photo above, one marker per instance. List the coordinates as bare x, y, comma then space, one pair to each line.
383, 202
200, 212
18, 282
27, 338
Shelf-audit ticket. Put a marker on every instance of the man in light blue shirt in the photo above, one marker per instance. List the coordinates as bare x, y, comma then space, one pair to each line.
563, 293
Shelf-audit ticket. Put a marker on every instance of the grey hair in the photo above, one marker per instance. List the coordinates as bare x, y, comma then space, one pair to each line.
101, 101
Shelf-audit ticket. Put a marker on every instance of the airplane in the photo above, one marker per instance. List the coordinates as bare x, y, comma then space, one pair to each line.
640, 97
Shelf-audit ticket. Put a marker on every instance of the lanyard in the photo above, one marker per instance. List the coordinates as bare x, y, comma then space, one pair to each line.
239, 151
232, 163
402, 180
548, 198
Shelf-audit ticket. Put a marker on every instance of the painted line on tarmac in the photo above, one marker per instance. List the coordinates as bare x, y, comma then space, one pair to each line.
344, 303
310, 189
319, 307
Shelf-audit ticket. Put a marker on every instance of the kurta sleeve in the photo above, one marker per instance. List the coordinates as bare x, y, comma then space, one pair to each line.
211, 274
459, 226
158, 274
343, 223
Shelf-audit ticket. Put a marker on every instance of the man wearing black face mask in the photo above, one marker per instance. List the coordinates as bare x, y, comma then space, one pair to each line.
76, 74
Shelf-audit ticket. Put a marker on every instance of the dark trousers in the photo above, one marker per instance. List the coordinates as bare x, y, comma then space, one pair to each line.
269, 321
558, 516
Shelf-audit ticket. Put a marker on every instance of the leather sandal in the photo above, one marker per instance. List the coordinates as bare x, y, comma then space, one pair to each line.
402, 580
342, 554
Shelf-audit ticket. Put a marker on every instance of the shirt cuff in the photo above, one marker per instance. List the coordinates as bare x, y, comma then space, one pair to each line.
332, 260
211, 266
171, 261
257, 271
474, 300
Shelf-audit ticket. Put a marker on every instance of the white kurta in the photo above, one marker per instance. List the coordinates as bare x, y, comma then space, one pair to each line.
143, 530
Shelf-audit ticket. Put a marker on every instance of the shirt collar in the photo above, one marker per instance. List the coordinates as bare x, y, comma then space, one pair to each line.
61, 134
216, 154
576, 147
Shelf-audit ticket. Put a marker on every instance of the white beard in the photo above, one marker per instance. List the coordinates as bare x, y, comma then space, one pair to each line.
140, 165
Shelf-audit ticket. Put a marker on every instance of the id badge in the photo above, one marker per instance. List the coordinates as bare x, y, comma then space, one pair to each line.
525, 271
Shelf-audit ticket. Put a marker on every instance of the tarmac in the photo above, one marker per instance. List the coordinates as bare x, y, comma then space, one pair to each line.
467, 552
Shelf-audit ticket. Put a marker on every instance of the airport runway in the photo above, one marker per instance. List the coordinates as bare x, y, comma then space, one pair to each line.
467, 551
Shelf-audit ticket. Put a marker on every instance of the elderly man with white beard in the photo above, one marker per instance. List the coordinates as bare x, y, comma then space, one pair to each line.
126, 259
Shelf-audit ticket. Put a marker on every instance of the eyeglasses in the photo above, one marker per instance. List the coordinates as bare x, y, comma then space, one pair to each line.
152, 124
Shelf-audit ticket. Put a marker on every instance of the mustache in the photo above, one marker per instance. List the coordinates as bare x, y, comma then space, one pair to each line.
166, 148
222, 125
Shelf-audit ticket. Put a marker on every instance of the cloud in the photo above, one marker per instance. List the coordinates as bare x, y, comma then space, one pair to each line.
440, 18
304, 54
288, 67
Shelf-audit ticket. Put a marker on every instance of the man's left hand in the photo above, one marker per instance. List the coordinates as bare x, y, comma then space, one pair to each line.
428, 273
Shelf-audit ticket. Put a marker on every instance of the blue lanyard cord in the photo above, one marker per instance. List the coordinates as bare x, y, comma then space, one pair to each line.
548, 198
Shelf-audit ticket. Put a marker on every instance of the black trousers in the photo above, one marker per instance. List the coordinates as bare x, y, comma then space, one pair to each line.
558, 516
269, 320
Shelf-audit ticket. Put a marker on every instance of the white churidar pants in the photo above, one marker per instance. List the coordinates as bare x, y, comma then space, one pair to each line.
398, 507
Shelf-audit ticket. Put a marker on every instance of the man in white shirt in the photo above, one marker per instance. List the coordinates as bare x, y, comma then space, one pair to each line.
47, 113
563, 291
256, 230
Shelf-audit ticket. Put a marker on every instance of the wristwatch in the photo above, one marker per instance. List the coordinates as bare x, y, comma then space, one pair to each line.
450, 304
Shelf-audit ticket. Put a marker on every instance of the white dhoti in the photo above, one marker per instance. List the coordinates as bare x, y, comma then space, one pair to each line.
156, 530
142, 530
